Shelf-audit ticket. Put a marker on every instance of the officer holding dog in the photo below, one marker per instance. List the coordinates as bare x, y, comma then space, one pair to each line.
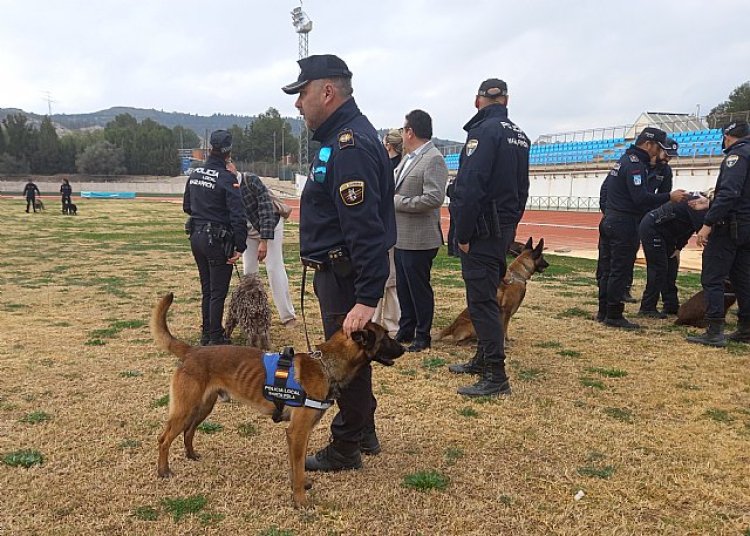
629, 197
347, 226
30, 191
487, 202
725, 236
217, 229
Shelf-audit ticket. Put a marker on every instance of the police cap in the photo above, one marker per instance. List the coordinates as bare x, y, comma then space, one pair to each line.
221, 140
653, 134
736, 129
672, 149
315, 68
493, 88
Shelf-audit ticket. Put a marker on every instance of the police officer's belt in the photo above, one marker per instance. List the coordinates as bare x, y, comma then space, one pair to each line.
282, 388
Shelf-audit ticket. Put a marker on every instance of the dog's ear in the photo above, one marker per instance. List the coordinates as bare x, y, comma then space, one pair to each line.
529, 243
538, 249
365, 338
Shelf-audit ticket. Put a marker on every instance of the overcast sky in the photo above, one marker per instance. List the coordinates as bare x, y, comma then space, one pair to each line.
569, 65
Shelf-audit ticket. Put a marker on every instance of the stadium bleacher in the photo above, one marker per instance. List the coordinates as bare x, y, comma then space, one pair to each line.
692, 144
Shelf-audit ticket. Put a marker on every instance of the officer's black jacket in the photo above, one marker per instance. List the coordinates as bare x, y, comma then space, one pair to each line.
212, 194
30, 190
348, 200
627, 185
660, 178
676, 222
732, 194
493, 166
66, 190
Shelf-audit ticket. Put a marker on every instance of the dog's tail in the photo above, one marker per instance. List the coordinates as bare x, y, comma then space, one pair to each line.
446, 331
160, 332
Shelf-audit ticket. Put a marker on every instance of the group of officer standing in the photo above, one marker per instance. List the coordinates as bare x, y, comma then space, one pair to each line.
639, 208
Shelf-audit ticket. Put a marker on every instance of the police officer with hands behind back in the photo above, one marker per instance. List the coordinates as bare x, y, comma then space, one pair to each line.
347, 226
488, 199
218, 231
725, 235
629, 197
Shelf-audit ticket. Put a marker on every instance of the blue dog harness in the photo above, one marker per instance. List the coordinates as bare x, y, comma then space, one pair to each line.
282, 388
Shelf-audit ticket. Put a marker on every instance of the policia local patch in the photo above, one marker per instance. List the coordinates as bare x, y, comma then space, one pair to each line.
352, 193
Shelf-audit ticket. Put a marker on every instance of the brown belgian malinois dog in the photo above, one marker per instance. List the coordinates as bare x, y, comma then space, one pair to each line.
239, 370
510, 292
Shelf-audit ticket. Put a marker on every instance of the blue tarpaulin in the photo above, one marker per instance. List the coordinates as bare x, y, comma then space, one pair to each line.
109, 195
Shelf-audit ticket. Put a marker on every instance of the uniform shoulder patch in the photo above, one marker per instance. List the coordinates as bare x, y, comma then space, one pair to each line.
352, 193
634, 158
346, 138
731, 160
637, 180
471, 146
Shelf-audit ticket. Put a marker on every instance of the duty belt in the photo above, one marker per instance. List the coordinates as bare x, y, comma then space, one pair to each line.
613, 212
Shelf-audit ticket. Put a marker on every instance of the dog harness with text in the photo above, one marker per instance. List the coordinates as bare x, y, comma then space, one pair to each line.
282, 388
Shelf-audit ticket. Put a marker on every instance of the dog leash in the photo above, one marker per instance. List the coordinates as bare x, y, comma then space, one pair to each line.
302, 307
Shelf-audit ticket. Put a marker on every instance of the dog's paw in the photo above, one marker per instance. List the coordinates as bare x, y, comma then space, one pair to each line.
165, 473
308, 483
193, 456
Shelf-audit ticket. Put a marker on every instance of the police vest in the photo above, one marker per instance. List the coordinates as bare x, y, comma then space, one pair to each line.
282, 388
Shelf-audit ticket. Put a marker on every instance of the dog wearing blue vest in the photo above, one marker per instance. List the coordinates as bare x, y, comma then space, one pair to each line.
240, 371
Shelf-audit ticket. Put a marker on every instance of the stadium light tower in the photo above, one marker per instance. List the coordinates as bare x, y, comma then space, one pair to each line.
303, 27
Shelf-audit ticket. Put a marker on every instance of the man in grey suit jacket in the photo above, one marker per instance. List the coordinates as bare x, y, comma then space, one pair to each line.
420, 189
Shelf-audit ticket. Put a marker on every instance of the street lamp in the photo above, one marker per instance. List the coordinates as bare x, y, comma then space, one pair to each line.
303, 26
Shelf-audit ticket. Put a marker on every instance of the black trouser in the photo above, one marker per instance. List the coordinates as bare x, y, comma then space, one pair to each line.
618, 247
725, 256
415, 295
452, 248
30, 203
215, 276
661, 266
482, 269
356, 401
65, 203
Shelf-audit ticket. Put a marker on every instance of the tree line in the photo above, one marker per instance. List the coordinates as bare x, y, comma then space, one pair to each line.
128, 147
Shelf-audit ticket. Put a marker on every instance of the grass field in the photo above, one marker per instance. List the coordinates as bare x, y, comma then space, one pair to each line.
650, 433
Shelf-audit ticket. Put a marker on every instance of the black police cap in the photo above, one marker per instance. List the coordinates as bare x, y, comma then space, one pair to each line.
672, 149
492, 88
653, 134
737, 129
221, 140
315, 68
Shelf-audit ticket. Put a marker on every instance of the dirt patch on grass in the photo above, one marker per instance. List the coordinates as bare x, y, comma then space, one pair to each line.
654, 432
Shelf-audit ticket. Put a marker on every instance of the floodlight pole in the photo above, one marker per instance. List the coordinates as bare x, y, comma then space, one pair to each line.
303, 26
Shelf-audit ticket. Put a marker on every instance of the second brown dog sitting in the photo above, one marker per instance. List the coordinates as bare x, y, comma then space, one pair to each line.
248, 309
240, 371
693, 311
510, 293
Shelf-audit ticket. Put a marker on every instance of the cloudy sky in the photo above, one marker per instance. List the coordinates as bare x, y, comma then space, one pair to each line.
570, 65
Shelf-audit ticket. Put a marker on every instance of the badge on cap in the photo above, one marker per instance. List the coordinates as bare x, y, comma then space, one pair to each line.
637, 180
471, 146
352, 193
731, 160
346, 138
634, 158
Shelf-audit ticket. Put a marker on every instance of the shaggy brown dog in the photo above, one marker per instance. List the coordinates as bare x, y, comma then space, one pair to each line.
510, 293
693, 311
248, 308
239, 370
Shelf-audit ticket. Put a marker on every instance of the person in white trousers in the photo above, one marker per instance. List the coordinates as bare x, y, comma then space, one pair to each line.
265, 237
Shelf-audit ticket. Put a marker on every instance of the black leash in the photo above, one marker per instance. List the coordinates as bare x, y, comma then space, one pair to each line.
302, 307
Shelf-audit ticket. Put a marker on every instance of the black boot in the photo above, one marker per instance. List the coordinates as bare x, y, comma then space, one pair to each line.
205, 338
742, 334
369, 443
472, 366
493, 382
714, 335
337, 456
616, 320
628, 297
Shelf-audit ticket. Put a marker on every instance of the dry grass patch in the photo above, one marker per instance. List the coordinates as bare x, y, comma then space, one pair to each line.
661, 448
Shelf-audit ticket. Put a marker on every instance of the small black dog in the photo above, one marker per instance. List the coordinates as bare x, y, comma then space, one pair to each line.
72, 209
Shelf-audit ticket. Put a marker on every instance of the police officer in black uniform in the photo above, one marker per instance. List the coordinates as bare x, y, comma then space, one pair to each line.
347, 226
218, 231
30, 191
487, 202
628, 199
725, 236
663, 232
